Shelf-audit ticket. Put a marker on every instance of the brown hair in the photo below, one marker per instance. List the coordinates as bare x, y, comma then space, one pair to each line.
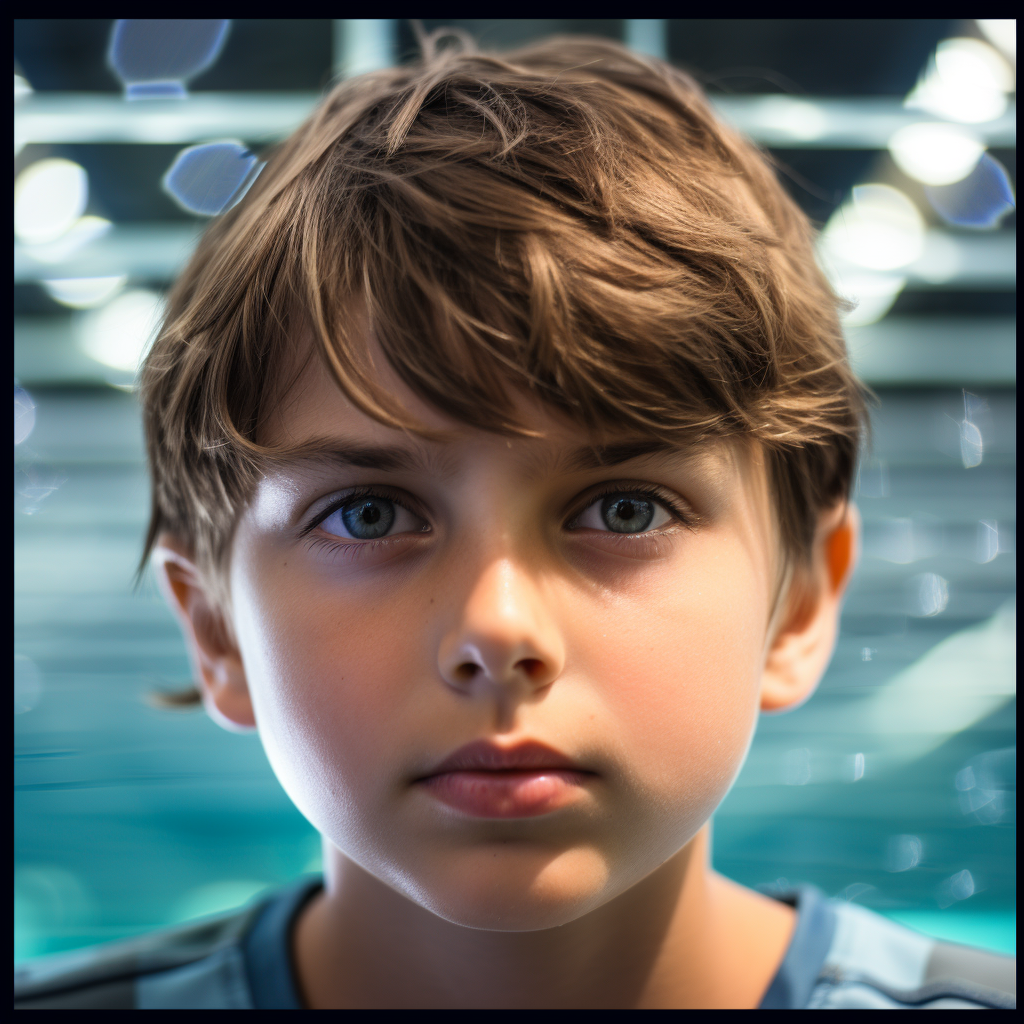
569, 219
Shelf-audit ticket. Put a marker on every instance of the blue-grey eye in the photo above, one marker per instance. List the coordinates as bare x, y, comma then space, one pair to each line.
624, 512
629, 514
368, 518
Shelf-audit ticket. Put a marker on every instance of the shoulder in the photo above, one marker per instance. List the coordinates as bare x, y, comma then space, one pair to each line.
201, 962
873, 962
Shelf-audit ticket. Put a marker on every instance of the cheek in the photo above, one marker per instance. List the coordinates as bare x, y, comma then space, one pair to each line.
324, 669
678, 663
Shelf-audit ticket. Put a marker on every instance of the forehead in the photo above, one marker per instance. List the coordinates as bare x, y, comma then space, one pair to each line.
312, 410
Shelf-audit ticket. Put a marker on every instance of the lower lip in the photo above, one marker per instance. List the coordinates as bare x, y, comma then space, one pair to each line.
508, 794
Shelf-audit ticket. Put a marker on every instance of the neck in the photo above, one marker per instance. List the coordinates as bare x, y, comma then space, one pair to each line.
682, 937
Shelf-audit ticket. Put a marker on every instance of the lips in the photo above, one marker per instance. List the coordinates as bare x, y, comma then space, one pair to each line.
484, 780
484, 756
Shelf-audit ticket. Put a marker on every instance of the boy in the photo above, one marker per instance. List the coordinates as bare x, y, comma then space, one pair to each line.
502, 440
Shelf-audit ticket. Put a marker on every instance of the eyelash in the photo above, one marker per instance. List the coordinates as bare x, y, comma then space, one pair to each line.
398, 497
683, 515
680, 513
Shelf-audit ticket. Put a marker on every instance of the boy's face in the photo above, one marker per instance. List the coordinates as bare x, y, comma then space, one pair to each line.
500, 590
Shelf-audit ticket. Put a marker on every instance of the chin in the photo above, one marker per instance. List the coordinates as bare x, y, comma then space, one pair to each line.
499, 889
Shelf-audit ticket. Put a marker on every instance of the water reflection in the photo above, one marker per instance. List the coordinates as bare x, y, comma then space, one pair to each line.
960, 886
930, 594
987, 542
903, 853
987, 787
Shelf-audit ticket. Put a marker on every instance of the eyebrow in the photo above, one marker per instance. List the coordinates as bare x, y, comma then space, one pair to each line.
600, 456
434, 459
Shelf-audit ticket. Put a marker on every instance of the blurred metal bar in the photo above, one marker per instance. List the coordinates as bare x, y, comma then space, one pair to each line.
647, 35
157, 252
783, 121
363, 44
905, 351
929, 351
145, 252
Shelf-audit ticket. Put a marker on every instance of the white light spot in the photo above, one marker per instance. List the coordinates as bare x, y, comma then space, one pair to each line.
873, 479
793, 117
21, 88
1002, 32
988, 541
967, 80
931, 594
856, 767
936, 154
880, 228
118, 334
971, 444
87, 229
49, 196
84, 292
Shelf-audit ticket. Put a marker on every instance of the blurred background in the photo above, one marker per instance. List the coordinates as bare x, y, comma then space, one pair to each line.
894, 786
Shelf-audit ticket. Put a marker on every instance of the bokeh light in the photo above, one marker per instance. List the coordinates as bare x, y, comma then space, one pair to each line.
967, 80
904, 853
49, 197
154, 58
934, 153
930, 595
118, 334
987, 541
959, 886
84, 231
84, 292
980, 200
208, 179
1002, 32
987, 787
24, 414
880, 228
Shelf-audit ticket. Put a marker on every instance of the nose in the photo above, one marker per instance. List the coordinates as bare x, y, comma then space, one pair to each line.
503, 637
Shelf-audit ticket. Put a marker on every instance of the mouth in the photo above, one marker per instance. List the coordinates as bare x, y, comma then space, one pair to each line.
484, 780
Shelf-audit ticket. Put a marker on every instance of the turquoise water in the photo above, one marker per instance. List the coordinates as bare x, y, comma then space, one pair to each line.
996, 932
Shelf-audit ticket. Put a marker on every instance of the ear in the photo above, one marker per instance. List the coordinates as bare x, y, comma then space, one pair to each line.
216, 661
806, 637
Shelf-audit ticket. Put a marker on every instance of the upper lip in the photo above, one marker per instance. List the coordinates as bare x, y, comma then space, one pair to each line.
485, 756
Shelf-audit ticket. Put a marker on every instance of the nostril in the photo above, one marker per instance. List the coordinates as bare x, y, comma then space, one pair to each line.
530, 667
465, 672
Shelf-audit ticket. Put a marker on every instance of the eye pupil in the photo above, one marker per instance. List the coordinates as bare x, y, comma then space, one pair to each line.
627, 514
369, 518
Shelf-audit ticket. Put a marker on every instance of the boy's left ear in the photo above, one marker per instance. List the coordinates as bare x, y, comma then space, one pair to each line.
216, 660
805, 639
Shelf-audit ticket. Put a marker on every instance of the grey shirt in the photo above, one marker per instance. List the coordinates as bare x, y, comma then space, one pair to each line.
841, 956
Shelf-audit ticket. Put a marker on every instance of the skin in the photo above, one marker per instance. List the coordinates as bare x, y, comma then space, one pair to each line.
645, 658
